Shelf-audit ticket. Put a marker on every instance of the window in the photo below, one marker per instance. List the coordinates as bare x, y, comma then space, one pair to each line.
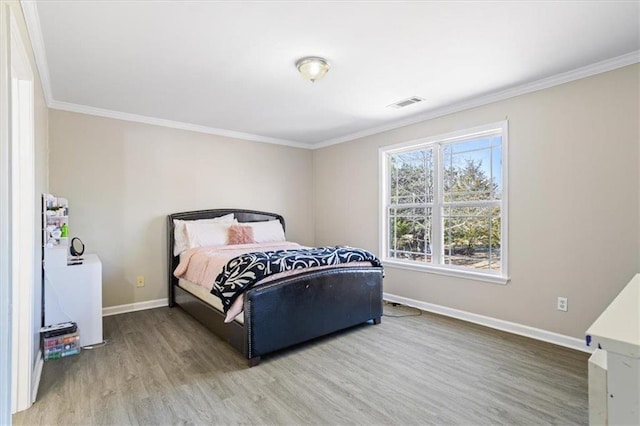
444, 204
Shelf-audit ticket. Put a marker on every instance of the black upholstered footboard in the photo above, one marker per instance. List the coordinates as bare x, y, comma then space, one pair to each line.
293, 310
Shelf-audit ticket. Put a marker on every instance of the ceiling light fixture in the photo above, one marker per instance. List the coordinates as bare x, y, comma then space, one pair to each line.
313, 68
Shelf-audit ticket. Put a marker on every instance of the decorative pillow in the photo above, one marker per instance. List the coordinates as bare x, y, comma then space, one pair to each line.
266, 232
180, 233
207, 234
240, 234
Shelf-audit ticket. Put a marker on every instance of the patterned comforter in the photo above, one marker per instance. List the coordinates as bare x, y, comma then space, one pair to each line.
243, 271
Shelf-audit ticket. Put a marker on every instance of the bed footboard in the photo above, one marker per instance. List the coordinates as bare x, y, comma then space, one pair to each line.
293, 310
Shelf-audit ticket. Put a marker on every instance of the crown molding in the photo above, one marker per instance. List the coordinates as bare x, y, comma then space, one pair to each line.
100, 112
34, 28
545, 83
32, 19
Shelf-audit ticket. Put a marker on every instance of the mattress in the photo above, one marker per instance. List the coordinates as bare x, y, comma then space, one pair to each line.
204, 295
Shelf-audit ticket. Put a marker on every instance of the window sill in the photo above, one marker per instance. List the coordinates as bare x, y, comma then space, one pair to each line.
470, 275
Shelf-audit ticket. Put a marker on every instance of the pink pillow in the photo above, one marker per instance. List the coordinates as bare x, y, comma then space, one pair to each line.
240, 234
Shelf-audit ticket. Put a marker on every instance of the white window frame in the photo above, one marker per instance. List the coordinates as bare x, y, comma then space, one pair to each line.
497, 277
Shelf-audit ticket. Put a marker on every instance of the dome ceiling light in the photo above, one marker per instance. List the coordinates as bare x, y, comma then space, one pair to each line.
312, 68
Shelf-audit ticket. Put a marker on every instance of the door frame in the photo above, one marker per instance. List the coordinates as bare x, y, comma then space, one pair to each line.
5, 225
17, 197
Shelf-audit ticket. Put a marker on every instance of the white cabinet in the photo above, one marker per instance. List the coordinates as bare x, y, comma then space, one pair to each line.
598, 396
74, 293
617, 331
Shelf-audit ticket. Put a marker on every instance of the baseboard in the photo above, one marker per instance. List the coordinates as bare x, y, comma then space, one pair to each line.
498, 324
37, 372
132, 307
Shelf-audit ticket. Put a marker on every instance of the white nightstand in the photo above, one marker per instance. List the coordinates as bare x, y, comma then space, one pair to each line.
74, 293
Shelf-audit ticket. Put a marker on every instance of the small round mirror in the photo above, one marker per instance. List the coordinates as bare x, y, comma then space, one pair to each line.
77, 247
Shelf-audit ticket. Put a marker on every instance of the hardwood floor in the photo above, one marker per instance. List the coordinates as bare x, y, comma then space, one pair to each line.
162, 367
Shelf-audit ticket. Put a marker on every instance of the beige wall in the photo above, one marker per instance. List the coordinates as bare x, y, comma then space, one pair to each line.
573, 197
573, 200
123, 178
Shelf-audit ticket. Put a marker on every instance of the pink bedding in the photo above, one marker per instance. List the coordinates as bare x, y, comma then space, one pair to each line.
201, 265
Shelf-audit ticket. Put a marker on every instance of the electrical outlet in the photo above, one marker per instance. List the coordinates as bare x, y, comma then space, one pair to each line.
563, 304
140, 281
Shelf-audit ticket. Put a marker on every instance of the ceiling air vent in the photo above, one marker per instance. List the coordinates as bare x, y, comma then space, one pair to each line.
406, 102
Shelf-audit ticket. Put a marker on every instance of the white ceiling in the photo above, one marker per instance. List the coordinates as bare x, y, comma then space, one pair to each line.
226, 67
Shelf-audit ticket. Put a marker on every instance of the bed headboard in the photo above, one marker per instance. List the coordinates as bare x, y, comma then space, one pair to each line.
242, 216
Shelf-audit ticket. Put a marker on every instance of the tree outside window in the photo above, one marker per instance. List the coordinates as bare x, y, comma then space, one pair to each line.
444, 202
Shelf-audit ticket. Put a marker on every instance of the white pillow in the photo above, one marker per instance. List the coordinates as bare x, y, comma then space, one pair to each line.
207, 234
181, 243
266, 232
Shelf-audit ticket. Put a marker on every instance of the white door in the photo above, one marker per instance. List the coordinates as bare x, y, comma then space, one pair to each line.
17, 189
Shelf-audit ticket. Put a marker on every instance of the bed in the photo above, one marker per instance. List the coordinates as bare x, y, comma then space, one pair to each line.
283, 312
